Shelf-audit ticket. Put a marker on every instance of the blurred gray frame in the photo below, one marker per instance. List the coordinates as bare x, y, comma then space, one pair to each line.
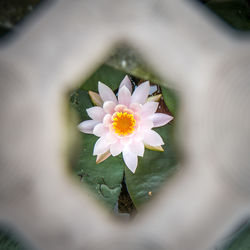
206, 63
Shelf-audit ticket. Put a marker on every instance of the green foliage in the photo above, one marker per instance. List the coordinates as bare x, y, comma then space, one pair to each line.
171, 100
103, 179
153, 169
8, 242
234, 12
106, 75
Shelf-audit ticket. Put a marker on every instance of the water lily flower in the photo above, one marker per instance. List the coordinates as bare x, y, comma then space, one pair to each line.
124, 123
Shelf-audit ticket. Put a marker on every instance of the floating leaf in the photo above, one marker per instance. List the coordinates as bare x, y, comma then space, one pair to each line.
105, 178
110, 76
154, 168
170, 98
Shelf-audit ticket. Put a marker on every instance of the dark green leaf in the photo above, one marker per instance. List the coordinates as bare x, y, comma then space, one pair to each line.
153, 169
234, 12
170, 98
103, 179
105, 74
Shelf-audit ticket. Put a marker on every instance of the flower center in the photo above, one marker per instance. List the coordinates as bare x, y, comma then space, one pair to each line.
123, 123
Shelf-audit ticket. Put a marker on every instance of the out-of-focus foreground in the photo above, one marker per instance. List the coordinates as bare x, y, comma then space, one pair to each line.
205, 62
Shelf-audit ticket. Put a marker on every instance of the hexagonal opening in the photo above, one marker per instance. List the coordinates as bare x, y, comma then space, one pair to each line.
111, 181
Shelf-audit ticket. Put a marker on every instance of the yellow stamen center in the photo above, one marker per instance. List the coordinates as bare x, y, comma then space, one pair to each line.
123, 123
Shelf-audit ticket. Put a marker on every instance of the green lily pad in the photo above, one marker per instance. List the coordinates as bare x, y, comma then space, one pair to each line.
103, 179
105, 74
153, 169
170, 98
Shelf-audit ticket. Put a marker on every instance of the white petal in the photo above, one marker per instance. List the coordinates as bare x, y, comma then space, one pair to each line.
126, 82
87, 126
146, 123
149, 108
109, 107
124, 96
106, 93
137, 147
96, 113
141, 93
136, 107
111, 138
101, 146
152, 138
120, 108
130, 159
95, 98
116, 148
125, 140
160, 119
107, 120
139, 135
100, 130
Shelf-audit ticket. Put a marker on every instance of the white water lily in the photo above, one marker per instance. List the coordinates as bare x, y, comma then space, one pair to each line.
124, 124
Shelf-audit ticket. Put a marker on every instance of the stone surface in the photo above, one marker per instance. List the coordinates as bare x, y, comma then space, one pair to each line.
207, 64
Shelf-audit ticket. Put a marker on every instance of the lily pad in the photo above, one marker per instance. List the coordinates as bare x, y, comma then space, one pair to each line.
103, 179
105, 74
153, 169
170, 98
